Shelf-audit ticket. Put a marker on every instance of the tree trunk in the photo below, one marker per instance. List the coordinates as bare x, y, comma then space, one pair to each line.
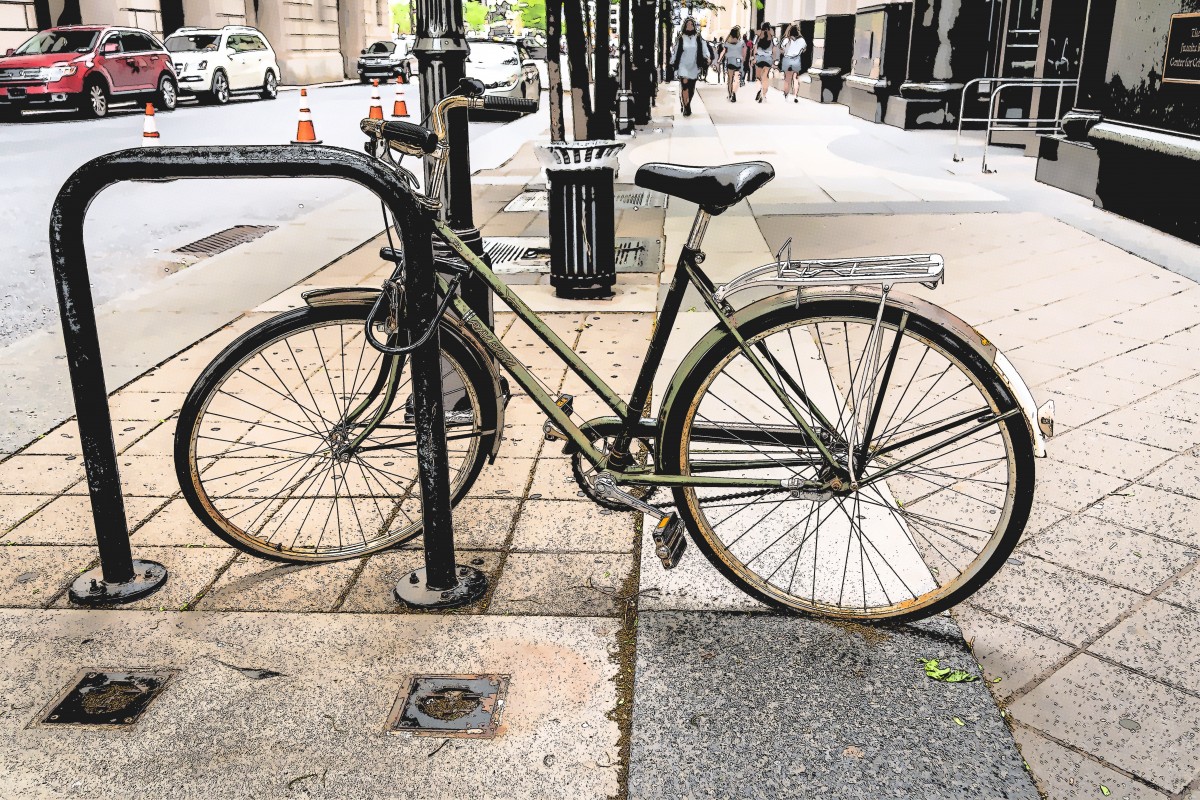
553, 71
577, 63
601, 125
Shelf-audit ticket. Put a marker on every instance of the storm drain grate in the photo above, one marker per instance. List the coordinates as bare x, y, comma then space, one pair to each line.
224, 240
110, 699
460, 706
641, 198
512, 254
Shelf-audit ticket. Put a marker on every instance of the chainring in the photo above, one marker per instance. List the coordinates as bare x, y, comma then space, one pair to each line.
585, 473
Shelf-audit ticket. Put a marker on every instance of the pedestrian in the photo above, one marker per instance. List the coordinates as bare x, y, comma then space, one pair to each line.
690, 57
764, 59
731, 58
793, 48
748, 59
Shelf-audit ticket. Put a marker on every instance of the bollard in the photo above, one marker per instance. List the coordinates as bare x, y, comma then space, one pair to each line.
120, 578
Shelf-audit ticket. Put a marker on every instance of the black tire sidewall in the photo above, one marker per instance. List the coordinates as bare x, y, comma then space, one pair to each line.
673, 419
266, 93
162, 101
85, 102
275, 328
215, 95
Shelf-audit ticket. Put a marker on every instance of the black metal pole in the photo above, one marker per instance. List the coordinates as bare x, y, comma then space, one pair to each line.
642, 59
441, 49
601, 124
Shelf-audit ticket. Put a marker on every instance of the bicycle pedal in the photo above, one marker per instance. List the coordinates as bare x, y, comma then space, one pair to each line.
553, 433
669, 540
567, 403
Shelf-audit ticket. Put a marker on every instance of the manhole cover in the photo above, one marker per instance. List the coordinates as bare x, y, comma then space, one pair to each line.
224, 240
460, 706
638, 198
106, 698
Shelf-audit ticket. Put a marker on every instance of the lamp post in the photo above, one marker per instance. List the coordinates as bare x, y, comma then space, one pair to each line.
441, 49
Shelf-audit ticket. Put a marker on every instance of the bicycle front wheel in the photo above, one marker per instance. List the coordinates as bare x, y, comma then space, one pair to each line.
260, 448
940, 457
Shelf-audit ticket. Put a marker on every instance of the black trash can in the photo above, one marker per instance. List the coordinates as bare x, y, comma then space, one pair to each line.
579, 178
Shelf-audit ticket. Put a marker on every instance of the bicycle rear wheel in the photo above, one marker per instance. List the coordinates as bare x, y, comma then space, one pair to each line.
259, 444
946, 479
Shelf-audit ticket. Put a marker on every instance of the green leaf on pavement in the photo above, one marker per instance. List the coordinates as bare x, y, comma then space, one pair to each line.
946, 674
959, 721
1104, 790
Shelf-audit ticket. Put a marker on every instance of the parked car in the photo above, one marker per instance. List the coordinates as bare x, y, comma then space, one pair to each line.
87, 67
505, 69
384, 61
214, 64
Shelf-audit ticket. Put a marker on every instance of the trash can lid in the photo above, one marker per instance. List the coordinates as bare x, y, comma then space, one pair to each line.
577, 156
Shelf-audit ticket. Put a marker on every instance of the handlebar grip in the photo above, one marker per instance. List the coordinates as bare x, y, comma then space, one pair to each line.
518, 104
405, 134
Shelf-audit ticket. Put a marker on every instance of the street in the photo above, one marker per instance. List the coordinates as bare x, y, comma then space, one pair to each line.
133, 229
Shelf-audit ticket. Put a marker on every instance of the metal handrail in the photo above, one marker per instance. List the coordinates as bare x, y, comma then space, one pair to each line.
998, 123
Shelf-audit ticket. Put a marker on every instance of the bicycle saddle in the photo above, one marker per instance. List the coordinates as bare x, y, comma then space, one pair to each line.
712, 188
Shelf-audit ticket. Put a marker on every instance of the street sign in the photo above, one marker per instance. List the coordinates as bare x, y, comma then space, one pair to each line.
1182, 61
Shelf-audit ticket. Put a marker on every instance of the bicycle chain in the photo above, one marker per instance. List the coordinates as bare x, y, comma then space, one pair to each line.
734, 496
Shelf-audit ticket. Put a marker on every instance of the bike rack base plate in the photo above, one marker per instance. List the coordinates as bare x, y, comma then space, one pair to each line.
90, 589
412, 590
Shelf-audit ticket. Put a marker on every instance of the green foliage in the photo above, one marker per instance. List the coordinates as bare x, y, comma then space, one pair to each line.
945, 674
402, 17
475, 15
533, 15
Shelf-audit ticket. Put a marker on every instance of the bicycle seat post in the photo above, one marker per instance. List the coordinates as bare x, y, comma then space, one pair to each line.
699, 228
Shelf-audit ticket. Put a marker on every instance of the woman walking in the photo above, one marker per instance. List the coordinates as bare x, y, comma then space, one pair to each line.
793, 48
732, 52
690, 58
764, 59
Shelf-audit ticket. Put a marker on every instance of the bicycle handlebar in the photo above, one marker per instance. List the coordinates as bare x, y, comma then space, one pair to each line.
517, 104
405, 136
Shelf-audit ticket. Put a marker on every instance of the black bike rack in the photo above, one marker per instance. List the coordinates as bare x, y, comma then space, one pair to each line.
120, 578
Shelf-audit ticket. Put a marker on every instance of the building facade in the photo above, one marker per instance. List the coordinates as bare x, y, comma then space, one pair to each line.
315, 40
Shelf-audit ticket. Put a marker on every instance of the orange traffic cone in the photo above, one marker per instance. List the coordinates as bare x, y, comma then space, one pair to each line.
376, 103
400, 108
149, 129
305, 132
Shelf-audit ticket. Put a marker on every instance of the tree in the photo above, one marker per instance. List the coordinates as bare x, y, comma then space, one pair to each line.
475, 15
402, 17
533, 15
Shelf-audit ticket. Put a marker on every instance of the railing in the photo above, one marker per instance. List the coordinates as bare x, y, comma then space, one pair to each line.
995, 123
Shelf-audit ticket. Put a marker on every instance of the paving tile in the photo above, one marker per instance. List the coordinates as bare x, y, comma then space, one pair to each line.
1171, 434
15, 507
1173, 403
1169, 515
1066, 774
1185, 591
23, 474
1092, 447
1133, 366
1163, 353
1072, 488
554, 481
570, 526
255, 584
1006, 651
479, 524
1109, 552
1091, 382
1071, 411
1160, 640
694, 585
1080, 347
64, 440
68, 520
142, 476
568, 584
372, 591
176, 525
31, 576
1055, 601
505, 478
1083, 705
190, 570
1181, 474
154, 406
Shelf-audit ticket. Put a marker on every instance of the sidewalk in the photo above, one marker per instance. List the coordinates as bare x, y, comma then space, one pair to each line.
629, 681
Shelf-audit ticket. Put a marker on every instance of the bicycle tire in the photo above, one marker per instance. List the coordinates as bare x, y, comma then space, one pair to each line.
471, 389
678, 454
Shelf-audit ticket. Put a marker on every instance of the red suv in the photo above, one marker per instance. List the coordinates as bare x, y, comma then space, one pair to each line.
88, 67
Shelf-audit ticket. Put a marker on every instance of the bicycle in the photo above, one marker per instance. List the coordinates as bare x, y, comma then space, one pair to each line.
836, 448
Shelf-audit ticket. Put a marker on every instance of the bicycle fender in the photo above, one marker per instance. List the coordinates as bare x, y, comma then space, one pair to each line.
905, 302
356, 295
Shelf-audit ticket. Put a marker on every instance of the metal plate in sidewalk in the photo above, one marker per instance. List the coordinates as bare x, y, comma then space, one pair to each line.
634, 199
106, 699
517, 254
459, 706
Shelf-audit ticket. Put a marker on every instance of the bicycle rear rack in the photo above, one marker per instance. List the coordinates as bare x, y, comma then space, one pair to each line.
927, 269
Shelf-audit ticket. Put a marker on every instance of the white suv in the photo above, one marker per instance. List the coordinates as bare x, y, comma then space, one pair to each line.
216, 63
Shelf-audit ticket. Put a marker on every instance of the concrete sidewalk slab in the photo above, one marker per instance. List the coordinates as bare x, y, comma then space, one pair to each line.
750, 706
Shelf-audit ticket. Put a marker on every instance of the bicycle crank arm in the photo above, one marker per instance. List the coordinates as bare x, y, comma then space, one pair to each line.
607, 488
